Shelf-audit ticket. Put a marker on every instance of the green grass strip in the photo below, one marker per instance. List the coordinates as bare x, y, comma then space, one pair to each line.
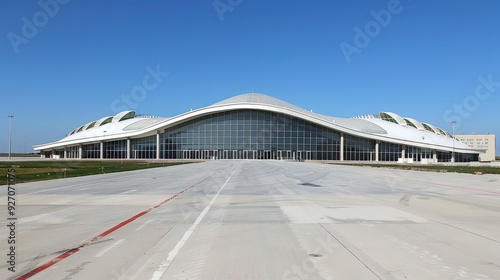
32, 171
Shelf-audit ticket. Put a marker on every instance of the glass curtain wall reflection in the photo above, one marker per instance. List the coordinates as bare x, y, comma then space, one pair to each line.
91, 150
466, 157
389, 151
357, 148
115, 149
417, 154
143, 147
73, 152
249, 134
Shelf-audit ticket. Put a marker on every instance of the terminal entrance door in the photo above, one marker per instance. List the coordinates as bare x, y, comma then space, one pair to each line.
308, 155
267, 154
280, 155
249, 154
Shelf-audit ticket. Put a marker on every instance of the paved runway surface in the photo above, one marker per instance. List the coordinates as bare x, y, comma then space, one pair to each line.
258, 220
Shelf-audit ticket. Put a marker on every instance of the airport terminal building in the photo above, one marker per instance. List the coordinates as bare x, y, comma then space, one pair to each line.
257, 126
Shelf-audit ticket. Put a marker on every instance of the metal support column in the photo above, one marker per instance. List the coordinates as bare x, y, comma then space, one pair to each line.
158, 144
341, 146
128, 148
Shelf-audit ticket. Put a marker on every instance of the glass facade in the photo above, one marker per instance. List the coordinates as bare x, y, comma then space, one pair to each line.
466, 157
389, 151
143, 147
115, 149
249, 134
417, 154
91, 150
73, 152
357, 148
253, 134
59, 153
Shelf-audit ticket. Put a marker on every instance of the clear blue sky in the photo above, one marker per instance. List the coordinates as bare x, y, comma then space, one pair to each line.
66, 64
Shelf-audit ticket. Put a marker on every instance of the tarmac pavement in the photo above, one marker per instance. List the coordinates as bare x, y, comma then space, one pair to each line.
257, 220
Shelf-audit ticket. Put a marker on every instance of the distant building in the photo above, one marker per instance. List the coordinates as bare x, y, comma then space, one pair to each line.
480, 141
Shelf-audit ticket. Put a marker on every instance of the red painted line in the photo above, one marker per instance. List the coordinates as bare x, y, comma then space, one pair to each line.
118, 226
49, 264
70, 252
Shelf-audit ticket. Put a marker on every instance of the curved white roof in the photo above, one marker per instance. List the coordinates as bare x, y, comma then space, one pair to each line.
433, 128
122, 127
418, 125
393, 117
266, 102
123, 116
100, 121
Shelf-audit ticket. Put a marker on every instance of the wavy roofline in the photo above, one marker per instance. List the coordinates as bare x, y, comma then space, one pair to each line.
253, 101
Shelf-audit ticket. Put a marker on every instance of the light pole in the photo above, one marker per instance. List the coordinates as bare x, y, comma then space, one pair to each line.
24, 144
453, 134
10, 135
